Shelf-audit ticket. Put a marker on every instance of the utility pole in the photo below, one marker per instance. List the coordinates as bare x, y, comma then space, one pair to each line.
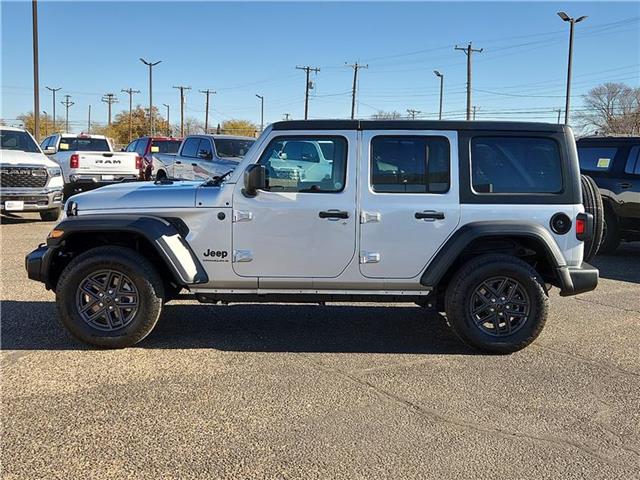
308, 86
469, 51
36, 76
54, 90
356, 66
168, 124
441, 76
412, 113
207, 92
67, 103
559, 110
475, 107
150, 65
130, 92
109, 99
89, 121
287, 116
182, 89
261, 112
572, 21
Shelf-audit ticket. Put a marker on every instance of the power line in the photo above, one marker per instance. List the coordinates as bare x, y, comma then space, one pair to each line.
356, 66
182, 89
412, 113
109, 99
54, 90
207, 92
469, 51
67, 103
130, 92
308, 86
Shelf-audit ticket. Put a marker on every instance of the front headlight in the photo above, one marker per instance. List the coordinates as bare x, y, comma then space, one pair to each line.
54, 171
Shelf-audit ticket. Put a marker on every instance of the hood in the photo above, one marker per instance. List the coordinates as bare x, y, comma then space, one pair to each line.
17, 157
139, 195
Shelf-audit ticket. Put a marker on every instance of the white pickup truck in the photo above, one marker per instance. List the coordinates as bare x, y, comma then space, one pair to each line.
88, 161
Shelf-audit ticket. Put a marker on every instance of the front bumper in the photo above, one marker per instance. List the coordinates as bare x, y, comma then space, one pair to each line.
580, 279
37, 264
35, 200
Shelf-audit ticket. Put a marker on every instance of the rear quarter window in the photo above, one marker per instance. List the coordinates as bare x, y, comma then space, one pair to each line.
515, 165
596, 159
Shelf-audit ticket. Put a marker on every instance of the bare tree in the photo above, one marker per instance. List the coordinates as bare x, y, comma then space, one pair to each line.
382, 115
611, 109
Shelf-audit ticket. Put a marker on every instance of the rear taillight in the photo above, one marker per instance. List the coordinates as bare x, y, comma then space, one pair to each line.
584, 226
139, 162
74, 162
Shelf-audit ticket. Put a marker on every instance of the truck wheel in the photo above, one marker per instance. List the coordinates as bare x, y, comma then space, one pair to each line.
592, 202
611, 236
109, 297
161, 175
496, 303
50, 215
67, 191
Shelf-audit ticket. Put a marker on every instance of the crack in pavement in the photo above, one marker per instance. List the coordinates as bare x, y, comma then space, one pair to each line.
463, 424
632, 310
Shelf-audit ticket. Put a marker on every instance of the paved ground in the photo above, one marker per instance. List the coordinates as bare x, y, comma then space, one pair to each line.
250, 391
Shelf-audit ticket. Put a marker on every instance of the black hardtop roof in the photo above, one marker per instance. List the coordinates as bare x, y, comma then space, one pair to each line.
416, 125
609, 139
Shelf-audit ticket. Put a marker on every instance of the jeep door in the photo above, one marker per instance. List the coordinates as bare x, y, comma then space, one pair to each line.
303, 225
409, 200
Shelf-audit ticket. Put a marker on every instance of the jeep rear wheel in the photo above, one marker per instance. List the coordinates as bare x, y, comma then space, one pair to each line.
592, 202
109, 297
496, 303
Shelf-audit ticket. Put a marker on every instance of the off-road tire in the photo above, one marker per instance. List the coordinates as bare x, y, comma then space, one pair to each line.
592, 202
137, 268
50, 215
611, 237
161, 175
465, 282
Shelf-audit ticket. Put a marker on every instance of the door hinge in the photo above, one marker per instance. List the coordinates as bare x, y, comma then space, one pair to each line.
242, 216
369, 257
242, 256
368, 217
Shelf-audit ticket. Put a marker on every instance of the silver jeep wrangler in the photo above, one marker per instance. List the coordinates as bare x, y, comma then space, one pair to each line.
476, 219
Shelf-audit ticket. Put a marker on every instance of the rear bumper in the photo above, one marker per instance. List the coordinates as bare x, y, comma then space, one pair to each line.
34, 200
580, 279
83, 183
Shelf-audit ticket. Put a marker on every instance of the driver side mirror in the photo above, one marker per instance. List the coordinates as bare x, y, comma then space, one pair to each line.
49, 150
255, 178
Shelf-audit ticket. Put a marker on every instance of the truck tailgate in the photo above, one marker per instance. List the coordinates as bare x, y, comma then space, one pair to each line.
116, 163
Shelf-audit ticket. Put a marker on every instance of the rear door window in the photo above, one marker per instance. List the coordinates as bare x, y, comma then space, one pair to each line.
633, 162
515, 165
596, 159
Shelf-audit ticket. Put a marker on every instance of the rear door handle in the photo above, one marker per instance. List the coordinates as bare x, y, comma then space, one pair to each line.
194, 164
178, 162
625, 185
429, 215
333, 214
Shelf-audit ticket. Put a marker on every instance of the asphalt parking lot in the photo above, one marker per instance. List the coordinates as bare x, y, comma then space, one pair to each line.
341, 391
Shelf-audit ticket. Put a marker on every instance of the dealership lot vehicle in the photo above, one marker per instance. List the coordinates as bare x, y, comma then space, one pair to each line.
148, 147
30, 181
367, 390
88, 161
202, 156
614, 164
475, 219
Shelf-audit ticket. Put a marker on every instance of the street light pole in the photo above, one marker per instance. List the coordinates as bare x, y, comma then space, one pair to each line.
572, 21
150, 65
441, 76
36, 79
261, 112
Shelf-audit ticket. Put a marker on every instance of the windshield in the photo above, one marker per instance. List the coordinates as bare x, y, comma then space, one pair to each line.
232, 147
17, 140
165, 146
84, 144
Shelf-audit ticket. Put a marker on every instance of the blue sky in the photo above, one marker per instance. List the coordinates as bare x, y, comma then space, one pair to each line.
240, 49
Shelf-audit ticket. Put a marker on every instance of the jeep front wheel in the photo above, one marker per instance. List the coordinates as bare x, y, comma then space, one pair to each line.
496, 303
109, 297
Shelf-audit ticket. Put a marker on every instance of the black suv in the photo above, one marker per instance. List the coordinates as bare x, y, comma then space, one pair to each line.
614, 164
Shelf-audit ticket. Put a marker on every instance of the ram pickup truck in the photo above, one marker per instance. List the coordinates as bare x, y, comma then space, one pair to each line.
30, 181
202, 157
88, 161
475, 219
149, 147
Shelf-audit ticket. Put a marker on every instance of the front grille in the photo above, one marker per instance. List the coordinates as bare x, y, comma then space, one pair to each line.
23, 177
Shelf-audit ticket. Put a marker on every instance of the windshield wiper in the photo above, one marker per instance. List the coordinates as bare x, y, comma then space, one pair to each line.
217, 180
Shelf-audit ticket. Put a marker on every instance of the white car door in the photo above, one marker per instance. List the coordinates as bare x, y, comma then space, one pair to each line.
409, 202
298, 227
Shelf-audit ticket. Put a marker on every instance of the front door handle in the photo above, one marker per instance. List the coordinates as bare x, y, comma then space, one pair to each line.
178, 162
624, 185
194, 164
333, 214
429, 215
